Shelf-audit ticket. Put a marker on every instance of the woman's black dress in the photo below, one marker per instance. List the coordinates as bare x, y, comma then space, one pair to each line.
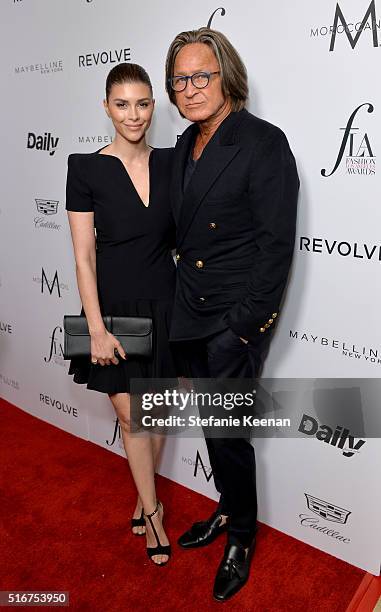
135, 267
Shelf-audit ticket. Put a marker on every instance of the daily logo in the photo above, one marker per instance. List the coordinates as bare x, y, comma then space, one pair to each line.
42, 143
360, 158
340, 437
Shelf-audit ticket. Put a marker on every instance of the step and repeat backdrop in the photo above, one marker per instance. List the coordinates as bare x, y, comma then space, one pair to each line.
313, 71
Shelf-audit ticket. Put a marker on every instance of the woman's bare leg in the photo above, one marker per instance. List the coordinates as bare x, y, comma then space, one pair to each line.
140, 454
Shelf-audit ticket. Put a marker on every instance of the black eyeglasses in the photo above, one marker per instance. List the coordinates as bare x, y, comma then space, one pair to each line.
199, 80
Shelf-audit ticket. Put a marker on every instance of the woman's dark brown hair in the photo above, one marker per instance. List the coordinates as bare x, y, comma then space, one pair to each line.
127, 73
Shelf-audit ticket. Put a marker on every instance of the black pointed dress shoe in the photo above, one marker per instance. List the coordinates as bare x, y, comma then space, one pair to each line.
233, 571
203, 532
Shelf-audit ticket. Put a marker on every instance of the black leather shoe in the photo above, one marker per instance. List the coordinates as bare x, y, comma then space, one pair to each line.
233, 571
203, 532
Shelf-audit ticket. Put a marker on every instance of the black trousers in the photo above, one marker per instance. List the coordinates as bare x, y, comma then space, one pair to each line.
232, 460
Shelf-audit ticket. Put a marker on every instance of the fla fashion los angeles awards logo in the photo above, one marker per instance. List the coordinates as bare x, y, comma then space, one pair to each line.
355, 147
220, 10
55, 354
352, 29
116, 439
328, 512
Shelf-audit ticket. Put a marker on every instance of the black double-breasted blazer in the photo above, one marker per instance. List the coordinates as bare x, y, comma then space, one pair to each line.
235, 229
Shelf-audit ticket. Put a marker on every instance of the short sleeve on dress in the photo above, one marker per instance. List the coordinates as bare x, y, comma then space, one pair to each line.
78, 194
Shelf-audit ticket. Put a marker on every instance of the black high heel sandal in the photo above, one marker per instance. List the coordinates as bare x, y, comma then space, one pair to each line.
159, 549
138, 522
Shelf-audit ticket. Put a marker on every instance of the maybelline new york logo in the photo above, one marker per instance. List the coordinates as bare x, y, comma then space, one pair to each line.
371, 355
360, 158
327, 511
339, 437
49, 67
352, 29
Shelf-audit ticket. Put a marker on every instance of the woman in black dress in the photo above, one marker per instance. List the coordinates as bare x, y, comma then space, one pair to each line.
125, 267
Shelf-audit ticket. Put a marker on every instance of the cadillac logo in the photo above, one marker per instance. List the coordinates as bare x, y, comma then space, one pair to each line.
330, 512
47, 207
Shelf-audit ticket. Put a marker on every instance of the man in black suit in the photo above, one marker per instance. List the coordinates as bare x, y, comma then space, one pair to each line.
234, 189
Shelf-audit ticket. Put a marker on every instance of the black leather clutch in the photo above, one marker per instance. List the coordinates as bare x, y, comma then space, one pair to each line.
134, 334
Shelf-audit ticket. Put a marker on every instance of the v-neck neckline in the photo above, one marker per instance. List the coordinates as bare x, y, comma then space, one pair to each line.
128, 175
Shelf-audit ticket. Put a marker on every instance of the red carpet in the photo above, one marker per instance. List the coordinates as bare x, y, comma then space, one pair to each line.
65, 510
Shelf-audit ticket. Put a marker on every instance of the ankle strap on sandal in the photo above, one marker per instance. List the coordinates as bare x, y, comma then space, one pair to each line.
158, 503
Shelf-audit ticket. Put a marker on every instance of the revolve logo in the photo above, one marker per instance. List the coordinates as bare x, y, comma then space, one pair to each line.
326, 246
6, 328
360, 158
63, 407
96, 58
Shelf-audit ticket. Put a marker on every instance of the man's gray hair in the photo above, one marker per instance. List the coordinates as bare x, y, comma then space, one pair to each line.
233, 72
